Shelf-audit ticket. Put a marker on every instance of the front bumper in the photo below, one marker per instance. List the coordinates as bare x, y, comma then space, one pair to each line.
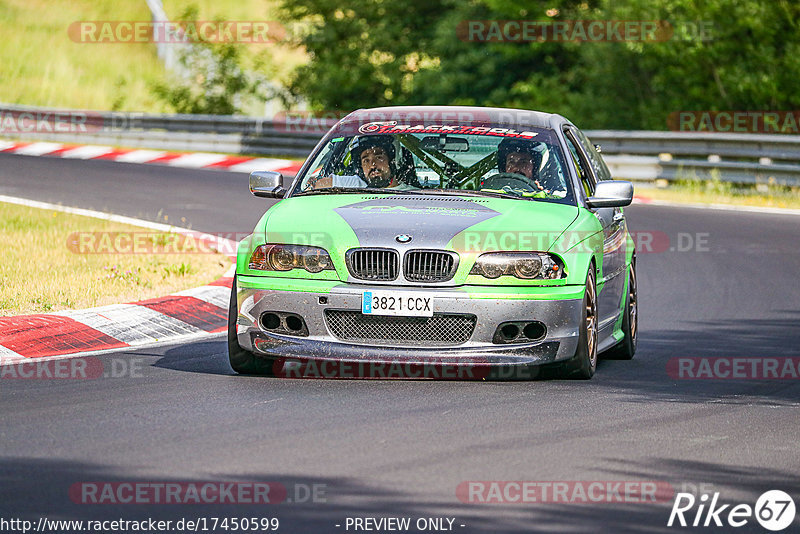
558, 308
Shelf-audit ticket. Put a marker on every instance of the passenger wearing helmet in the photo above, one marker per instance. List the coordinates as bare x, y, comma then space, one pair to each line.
518, 156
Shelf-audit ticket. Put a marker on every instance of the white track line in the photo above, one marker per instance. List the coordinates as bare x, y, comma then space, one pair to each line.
224, 244
90, 213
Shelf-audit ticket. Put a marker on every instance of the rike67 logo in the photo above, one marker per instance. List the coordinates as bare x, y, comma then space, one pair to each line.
774, 510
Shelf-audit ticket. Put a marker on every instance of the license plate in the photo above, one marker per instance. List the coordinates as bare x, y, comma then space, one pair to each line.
407, 303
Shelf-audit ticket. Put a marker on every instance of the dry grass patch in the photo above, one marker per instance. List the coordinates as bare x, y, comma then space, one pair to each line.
41, 272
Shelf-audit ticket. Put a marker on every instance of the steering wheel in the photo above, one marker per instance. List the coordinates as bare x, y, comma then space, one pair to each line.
508, 179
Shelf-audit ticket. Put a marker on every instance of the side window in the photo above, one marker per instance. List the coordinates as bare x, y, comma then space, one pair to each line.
584, 174
600, 168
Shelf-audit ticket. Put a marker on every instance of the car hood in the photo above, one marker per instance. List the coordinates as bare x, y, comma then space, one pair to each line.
341, 222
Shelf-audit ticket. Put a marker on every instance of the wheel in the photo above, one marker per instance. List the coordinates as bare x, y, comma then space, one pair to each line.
242, 361
625, 349
508, 179
584, 363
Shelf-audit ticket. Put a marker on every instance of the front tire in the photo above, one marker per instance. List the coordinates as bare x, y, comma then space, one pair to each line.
583, 365
625, 349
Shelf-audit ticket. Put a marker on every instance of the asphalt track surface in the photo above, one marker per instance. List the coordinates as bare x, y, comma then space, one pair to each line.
401, 448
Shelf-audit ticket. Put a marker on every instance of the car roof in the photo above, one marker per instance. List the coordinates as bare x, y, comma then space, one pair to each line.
457, 114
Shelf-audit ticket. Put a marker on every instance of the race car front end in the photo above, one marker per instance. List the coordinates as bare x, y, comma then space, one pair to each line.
361, 302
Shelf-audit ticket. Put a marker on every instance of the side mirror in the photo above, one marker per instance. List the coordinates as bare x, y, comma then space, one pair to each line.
268, 184
611, 194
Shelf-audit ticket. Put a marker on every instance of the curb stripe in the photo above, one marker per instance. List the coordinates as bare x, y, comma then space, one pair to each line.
125, 325
59, 153
165, 159
38, 149
115, 154
197, 160
229, 162
190, 310
140, 156
216, 295
14, 147
261, 164
45, 335
191, 160
225, 281
291, 169
132, 324
86, 152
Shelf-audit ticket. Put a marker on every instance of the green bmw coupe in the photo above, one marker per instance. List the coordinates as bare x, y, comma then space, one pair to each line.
432, 242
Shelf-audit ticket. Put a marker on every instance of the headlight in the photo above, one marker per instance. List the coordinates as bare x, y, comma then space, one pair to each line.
288, 257
524, 265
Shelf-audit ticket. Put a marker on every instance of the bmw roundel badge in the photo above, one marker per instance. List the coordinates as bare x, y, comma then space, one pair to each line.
403, 238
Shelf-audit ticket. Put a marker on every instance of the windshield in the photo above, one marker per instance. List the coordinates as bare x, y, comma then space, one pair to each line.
526, 165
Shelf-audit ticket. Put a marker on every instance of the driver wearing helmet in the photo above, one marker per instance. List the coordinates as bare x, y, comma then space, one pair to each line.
518, 156
374, 156
374, 160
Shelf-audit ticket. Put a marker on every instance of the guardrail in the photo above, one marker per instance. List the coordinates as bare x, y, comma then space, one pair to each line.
634, 155
736, 158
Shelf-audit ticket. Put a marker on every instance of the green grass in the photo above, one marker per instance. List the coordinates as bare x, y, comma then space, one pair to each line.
43, 270
42, 66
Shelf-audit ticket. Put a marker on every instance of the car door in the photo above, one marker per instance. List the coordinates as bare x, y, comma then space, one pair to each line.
592, 168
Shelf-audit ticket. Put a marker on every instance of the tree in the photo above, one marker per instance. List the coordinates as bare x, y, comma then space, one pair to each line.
723, 54
211, 78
